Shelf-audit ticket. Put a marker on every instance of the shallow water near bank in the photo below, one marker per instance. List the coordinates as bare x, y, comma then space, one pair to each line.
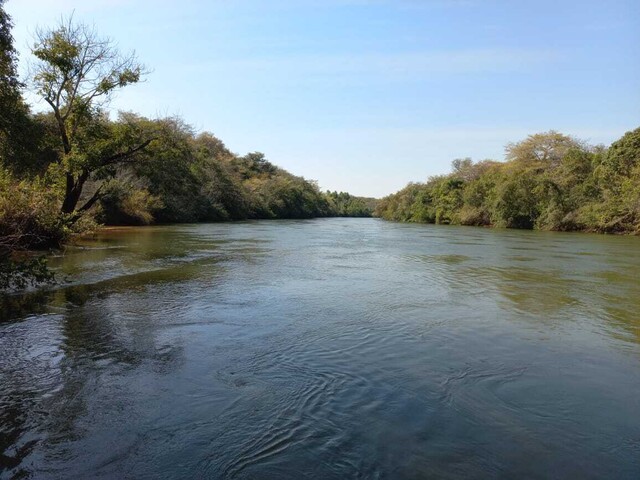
330, 348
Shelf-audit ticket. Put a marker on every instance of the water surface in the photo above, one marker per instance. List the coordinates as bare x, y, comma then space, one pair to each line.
333, 348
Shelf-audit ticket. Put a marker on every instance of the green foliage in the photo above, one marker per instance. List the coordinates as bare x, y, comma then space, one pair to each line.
19, 134
542, 150
76, 73
127, 202
623, 157
29, 218
9, 84
286, 196
170, 172
345, 205
192, 178
29, 215
516, 205
550, 181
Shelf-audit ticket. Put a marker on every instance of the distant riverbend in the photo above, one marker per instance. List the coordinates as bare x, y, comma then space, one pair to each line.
330, 348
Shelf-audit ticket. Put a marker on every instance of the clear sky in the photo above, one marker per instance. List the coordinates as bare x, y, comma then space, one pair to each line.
366, 95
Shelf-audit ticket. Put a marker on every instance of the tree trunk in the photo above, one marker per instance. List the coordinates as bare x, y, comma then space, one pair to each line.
73, 192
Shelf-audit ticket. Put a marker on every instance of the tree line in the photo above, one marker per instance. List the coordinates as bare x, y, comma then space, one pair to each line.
72, 167
548, 181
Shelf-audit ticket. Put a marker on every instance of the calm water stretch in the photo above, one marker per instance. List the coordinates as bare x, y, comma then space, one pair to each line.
333, 348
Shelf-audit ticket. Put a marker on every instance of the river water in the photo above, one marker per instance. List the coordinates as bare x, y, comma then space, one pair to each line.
331, 348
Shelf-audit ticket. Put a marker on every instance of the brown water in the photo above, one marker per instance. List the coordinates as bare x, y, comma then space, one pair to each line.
333, 348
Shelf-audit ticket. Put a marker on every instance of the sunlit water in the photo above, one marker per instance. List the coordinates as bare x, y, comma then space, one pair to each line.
334, 348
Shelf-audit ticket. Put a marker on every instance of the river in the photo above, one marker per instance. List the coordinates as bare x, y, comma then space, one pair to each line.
330, 348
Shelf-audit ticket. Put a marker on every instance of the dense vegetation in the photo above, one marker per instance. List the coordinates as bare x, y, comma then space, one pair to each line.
345, 205
549, 181
72, 167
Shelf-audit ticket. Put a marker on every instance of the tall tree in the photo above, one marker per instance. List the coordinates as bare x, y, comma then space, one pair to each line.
9, 84
8, 78
77, 73
542, 149
13, 111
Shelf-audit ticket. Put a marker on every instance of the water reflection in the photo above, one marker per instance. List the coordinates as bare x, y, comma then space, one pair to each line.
333, 348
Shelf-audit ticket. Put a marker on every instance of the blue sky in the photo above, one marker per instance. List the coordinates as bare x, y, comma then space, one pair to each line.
366, 95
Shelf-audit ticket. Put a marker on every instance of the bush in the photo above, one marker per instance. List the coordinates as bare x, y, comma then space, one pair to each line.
29, 215
29, 218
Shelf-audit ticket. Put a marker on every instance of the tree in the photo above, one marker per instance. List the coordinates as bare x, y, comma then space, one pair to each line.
624, 154
618, 176
463, 168
76, 74
542, 149
17, 199
9, 84
16, 128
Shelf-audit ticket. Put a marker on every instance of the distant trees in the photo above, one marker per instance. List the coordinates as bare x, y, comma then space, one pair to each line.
346, 205
549, 181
